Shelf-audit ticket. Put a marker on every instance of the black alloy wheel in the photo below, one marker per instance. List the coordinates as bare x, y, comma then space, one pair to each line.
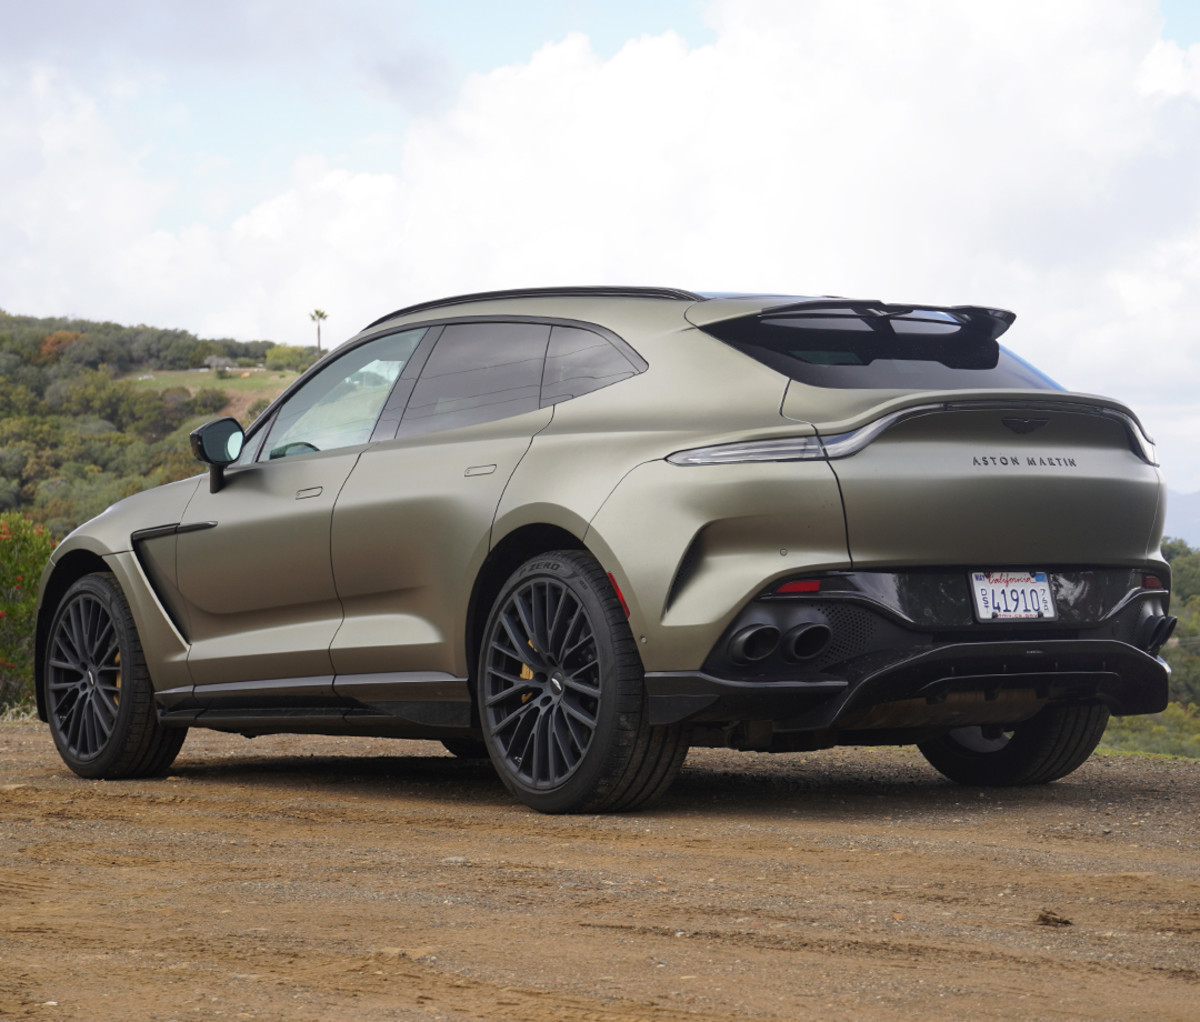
98, 692
561, 694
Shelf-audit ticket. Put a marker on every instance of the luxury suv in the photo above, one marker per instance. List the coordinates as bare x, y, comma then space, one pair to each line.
578, 530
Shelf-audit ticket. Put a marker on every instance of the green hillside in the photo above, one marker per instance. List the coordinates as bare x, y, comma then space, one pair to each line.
93, 412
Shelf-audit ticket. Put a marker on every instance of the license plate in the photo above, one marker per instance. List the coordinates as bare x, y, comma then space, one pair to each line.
1012, 596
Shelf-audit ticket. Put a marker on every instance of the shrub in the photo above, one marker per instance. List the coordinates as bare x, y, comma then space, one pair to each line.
208, 401
1174, 732
287, 356
24, 549
256, 409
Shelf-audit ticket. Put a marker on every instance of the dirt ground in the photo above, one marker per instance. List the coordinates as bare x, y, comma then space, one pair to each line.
327, 879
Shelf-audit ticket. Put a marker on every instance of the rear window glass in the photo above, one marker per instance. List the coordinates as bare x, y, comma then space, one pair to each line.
844, 351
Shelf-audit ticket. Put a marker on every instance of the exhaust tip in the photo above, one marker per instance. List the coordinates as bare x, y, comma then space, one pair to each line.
753, 644
806, 641
1154, 632
1162, 632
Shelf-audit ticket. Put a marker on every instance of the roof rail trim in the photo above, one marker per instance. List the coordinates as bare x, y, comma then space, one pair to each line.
671, 293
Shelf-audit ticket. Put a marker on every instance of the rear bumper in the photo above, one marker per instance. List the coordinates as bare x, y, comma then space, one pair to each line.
951, 685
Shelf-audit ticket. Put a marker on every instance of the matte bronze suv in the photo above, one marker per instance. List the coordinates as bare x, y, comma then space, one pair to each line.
580, 529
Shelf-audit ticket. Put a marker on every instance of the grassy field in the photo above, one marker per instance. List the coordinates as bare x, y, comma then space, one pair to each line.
262, 382
247, 389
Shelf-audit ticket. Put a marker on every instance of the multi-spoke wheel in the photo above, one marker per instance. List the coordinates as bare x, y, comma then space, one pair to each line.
1044, 748
98, 693
561, 696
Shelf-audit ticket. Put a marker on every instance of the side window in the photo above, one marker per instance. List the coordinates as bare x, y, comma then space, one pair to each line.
478, 372
338, 407
578, 362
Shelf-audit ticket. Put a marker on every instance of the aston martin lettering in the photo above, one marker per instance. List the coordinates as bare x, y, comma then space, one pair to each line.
1052, 462
1016, 461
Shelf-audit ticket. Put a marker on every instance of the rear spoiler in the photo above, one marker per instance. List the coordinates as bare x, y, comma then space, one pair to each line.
959, 336
980, 322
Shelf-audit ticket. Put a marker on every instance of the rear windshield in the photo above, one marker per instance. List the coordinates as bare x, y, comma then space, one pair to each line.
844, 351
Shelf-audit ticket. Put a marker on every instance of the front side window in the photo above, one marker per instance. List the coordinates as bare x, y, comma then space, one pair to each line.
478, 372
339, 406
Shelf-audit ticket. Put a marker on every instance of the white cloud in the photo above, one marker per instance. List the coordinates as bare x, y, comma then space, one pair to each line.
1170, 70
1037, 156
72, 194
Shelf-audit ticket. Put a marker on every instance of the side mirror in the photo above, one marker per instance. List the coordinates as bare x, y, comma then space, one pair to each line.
217, 444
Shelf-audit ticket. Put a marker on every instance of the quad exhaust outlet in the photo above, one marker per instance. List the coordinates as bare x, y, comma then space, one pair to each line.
752, 644
804, 641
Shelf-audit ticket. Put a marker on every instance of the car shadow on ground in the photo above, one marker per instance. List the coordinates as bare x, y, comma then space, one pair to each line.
870, 785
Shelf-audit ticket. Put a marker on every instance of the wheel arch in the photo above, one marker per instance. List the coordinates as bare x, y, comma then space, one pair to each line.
72, 567
505, 557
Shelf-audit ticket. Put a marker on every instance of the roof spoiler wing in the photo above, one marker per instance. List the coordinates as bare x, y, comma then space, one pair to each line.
979, 321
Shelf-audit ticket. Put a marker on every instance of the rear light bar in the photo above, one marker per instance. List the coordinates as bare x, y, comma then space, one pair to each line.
843, 445
801, 448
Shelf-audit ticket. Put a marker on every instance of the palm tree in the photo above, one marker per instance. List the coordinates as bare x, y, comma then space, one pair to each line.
316, 316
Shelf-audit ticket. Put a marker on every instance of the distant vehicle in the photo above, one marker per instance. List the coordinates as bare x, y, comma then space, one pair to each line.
580, 529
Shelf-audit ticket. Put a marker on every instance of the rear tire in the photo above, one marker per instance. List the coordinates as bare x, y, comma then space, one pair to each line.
1039, 750
97, 687
561, 694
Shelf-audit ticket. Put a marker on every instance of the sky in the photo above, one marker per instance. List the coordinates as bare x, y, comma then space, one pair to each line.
226, 167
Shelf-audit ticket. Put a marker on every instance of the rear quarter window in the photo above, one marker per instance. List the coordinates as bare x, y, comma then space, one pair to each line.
580, 361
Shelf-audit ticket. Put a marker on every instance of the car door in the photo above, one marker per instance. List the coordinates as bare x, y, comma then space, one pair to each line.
254, 568
412, 524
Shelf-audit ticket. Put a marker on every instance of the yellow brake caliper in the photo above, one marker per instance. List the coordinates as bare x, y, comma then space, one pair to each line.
527, 675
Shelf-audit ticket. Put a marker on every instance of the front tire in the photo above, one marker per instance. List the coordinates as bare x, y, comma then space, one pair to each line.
1044, 748
561, 694
97, 687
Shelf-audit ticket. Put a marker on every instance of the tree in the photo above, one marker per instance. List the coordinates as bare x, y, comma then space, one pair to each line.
288, 356
316, 316
52, 346
1172, 548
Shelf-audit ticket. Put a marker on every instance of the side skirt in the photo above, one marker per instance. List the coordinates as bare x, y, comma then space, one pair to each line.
415, 704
